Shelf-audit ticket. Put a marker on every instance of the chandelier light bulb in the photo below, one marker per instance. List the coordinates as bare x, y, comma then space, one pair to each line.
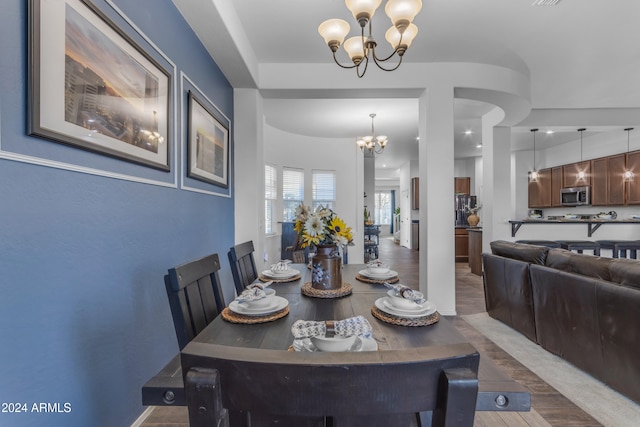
333, 31
402, 12
362, 10
355, 49
401, 41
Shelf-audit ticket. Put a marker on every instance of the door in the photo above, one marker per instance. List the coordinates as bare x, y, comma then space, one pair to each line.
405, 219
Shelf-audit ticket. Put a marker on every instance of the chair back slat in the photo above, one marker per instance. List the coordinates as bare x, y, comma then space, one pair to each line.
195, 296
441, 379
243, 265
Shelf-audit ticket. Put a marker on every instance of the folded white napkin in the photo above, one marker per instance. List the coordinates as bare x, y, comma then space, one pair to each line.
251, 294
259, 285
352, 326
406, 292
376, 263
281, 265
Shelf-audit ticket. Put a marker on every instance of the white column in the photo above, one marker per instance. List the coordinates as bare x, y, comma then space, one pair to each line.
497, 203
436, 159
249, 168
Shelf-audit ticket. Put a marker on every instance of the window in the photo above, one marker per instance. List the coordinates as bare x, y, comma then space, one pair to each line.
292, 192
382, 212
324, 189
270, 196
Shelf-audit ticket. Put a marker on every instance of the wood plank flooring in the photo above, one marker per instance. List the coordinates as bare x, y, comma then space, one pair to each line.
549, 406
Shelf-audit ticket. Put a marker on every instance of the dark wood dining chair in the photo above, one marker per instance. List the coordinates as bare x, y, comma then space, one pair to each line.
243, 265
420, 386
195, 296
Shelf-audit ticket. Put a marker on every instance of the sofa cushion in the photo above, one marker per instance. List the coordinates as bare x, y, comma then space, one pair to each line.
625, 272
520, 251
586, 265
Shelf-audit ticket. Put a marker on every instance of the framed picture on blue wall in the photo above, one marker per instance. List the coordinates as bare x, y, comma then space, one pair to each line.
92, 87
208, 146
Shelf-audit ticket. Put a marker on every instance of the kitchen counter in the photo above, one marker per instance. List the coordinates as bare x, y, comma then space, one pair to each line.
592, 224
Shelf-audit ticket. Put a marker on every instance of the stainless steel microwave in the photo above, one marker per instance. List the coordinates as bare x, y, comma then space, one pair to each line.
575, 196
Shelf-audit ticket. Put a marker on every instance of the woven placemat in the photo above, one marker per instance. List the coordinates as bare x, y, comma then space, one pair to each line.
403, 321
366, 279
342, 291
233, 317
264, 278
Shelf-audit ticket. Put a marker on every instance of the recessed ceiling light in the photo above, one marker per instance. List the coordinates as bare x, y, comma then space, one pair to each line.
384, 166
467, 132
479, 146
549, 132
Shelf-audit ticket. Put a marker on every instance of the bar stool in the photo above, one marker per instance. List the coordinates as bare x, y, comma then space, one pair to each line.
620, 247
547, 243
580, 245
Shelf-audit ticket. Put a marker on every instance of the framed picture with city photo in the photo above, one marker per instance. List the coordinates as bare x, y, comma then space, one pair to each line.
208, 144
92, 87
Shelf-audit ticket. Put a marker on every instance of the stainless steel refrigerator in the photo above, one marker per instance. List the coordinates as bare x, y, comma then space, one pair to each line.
462, 204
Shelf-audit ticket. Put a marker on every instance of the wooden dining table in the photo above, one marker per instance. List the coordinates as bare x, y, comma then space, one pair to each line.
497, 391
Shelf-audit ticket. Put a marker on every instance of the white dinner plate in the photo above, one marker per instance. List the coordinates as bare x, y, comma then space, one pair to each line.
387, 275
420, 308
284, 274
361, 344
241, 308
430, 308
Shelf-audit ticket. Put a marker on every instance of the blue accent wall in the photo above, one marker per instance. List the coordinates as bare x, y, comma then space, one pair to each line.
84, 316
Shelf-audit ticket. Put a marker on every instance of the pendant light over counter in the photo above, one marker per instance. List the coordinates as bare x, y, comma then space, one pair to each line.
533, 175
581, 173
628, 174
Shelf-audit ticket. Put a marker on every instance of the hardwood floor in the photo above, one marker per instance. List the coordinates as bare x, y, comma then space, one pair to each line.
549, 406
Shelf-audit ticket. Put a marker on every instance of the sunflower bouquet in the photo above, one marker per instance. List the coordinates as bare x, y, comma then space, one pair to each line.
321, 227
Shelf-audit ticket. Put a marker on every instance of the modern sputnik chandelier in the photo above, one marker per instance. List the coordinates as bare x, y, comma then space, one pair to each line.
363, 47
373, 143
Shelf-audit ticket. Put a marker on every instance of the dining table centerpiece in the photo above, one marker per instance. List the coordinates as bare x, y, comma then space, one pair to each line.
325, 231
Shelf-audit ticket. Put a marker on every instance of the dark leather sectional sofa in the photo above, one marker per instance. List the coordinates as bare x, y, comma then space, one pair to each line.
583, 308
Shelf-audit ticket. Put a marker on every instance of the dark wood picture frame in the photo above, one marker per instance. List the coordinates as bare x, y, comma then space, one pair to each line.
208, 144
105, 94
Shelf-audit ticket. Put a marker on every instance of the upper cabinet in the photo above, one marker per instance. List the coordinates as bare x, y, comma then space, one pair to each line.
576, 174
605, 176
540, 190
462, 185
607, 181
633, 186
556, 185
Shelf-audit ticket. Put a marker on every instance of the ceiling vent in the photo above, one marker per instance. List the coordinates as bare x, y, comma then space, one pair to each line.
545, 2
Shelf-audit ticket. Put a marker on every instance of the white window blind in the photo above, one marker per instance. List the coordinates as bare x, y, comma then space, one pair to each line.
270, 196
324, 188
292, 192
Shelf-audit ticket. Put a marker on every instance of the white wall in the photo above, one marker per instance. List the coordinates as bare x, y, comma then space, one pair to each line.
340, 155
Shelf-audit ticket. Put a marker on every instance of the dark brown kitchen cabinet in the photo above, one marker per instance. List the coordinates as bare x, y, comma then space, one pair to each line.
571, 174
540, 190
599, 188
607, 181
556, 185
633, 186
462, 245
462, 185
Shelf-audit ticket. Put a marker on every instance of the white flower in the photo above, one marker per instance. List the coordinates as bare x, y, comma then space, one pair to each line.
314, 226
